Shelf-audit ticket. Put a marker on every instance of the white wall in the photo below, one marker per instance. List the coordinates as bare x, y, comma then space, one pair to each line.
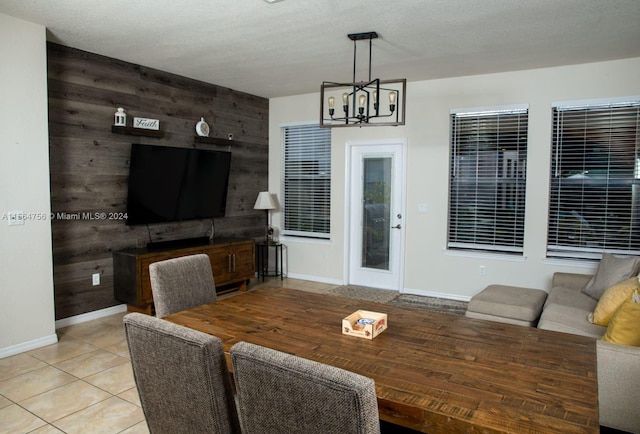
27, 317
428, 268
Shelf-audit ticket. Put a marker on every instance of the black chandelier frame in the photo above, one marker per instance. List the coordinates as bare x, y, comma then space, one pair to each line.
361, 99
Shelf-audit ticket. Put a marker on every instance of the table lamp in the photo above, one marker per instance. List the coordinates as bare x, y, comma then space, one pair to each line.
266, 202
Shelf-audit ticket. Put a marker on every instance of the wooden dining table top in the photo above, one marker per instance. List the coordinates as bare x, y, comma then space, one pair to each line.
434, 372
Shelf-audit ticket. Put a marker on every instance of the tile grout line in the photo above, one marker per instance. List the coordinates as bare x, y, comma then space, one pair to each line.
84, 339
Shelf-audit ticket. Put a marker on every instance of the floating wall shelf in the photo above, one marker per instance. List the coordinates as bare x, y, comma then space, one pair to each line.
213, 141
137, 132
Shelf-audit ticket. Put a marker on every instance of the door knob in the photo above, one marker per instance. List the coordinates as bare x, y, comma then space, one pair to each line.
396, 226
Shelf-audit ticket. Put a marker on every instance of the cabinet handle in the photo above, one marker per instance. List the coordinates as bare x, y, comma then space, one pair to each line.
234, 262
229, 264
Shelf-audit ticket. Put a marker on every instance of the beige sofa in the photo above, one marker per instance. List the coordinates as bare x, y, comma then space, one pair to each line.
566, 310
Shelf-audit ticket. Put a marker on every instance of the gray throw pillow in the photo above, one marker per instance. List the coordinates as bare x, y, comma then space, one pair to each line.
611, 270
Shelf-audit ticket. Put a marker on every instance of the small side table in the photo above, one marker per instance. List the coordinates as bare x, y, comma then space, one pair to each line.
262, 250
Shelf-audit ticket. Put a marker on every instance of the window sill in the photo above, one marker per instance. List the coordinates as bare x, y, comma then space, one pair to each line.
485, 255
575, 263
284, 239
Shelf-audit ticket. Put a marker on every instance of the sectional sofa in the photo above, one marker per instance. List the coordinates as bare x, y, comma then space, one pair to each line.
566, 310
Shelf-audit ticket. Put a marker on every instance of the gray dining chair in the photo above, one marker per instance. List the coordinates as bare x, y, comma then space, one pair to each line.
281, 393
181, 283
182, 377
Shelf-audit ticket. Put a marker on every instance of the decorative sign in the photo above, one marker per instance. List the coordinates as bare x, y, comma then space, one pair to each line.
147, 124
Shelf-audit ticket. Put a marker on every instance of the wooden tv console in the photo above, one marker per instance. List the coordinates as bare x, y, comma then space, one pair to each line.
232, 263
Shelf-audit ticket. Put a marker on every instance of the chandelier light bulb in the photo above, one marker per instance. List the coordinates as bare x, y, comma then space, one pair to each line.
332, 103
392, 98
345, 103
361, 101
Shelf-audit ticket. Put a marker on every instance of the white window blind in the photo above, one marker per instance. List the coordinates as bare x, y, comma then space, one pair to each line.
594, 200
307, 180
488, 179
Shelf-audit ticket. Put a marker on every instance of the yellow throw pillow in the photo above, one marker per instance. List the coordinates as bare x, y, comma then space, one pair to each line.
612, 299
624, 327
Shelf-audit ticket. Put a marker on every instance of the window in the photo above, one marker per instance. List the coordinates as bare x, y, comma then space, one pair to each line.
306, 180
488, 179
594, 200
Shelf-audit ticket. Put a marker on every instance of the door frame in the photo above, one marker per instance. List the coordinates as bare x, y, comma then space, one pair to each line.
347, 204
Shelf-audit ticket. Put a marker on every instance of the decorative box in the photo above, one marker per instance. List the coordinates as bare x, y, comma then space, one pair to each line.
364, 324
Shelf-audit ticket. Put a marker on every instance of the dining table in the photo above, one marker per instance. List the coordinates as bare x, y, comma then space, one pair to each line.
434, 372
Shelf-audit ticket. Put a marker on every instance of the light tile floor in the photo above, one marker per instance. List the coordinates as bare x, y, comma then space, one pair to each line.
84, 383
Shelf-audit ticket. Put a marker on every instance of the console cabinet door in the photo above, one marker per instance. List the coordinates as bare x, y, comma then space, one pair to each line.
232, 263
220, 264
242, 261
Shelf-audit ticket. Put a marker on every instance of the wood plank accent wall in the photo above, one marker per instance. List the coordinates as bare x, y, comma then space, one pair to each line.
89, 165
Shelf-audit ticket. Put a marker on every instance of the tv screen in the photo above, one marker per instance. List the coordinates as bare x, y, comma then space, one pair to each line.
168, 184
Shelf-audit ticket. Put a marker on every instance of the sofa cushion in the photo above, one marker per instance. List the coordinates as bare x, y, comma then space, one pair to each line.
611, 270
569, 319
624, 327
570, 280
501, 301
571, 298
612, 299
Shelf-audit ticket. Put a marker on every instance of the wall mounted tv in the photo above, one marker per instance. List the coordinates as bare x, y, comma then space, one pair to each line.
168, 184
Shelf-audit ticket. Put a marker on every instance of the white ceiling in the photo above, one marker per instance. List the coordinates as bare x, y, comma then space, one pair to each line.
290, 47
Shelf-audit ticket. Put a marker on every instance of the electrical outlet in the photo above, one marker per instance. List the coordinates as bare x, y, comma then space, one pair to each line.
483, 270
96, 279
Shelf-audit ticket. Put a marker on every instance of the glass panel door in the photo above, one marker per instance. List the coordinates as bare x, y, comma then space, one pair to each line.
375, 214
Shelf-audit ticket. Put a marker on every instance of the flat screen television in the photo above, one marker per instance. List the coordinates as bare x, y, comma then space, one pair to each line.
168, 184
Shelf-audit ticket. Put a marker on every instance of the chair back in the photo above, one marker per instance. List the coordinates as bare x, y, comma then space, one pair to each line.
182, 377
280, 393
181, 283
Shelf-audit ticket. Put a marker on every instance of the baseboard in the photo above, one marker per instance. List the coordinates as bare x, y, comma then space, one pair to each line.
402, 291
315, 278
28, 346
425, 293
78, 319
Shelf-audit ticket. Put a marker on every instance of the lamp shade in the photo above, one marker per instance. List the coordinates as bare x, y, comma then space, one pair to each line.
264, 201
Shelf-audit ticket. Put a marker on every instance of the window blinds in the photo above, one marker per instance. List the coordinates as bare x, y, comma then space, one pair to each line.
594, 204
488, 180
307, 180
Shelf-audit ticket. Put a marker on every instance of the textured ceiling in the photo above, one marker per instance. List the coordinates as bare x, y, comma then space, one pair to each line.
290, 47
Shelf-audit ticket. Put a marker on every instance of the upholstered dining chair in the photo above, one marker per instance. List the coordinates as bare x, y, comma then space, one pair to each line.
280, 393
181, 283
182, 377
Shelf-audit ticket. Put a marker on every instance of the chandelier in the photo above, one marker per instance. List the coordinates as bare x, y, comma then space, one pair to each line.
362, 103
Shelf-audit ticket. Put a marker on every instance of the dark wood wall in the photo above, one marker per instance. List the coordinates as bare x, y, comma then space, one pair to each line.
89, 164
